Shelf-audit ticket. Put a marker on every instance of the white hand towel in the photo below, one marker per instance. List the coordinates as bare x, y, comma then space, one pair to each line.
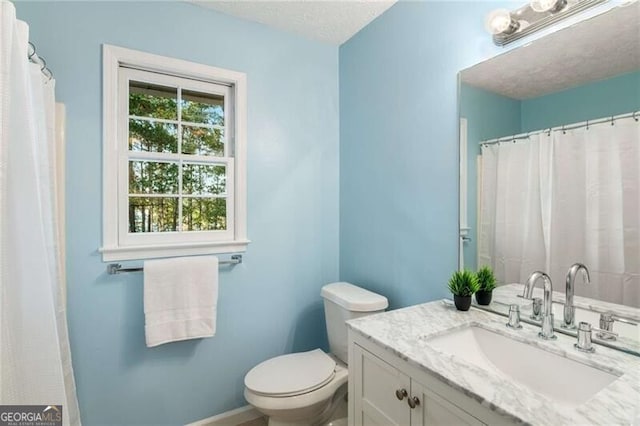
180, 299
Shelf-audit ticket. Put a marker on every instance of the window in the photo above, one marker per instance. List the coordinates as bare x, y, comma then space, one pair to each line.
174, 157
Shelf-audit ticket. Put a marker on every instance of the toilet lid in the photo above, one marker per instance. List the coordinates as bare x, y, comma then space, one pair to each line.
291, 374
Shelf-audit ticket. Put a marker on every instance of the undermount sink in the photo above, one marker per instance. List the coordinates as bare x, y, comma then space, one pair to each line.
560, 379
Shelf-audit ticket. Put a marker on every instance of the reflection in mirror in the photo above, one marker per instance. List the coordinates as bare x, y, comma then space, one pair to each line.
553, 158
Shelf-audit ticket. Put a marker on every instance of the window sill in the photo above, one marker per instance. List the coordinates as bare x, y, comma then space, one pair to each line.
110, 254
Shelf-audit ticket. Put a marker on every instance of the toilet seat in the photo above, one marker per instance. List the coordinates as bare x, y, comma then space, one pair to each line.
291, 374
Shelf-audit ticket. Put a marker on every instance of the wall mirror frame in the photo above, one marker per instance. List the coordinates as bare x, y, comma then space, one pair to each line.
585, 76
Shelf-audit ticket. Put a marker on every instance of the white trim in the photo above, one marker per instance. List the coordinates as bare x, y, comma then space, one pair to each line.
463, 227
110, 254
478, 205
463, 173
233, 417
110, 66
116, 58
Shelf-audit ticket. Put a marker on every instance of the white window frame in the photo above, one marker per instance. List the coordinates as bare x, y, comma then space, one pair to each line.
120, 65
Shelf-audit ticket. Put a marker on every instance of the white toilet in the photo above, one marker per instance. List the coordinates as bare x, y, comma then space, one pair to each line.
309, 388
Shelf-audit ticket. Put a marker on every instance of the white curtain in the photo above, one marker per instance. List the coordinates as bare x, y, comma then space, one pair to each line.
565, 197
35, 361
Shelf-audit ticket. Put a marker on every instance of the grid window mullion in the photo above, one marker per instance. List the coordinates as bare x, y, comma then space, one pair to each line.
180, 159
197, 165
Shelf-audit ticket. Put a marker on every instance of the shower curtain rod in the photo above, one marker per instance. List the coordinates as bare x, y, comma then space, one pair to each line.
33, 57
635, 115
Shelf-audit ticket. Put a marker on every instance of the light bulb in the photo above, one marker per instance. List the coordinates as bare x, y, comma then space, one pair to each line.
500, 22
547, 5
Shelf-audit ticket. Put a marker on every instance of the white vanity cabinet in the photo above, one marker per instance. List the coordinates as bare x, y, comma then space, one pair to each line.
385, 390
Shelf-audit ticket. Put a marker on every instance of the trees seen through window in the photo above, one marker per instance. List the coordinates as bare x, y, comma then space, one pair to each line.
175, 183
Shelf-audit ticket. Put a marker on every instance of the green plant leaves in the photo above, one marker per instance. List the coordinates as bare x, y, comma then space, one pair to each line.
486, 279
463, 283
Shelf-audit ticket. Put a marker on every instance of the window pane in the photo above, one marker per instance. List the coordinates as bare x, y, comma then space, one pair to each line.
202, 141
153, 214
152, 136
202, 108
150, 177
204, 179
204, 214
151, 100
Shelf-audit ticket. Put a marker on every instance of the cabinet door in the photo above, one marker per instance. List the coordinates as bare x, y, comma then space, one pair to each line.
376, 383
433, 410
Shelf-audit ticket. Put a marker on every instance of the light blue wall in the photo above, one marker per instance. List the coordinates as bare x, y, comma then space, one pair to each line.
489, 116
271, 303
399, 146
617, 95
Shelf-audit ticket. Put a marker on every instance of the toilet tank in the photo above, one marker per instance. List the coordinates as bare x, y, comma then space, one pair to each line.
342, 302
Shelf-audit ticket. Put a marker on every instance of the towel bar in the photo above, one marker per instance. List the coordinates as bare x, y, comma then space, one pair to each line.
116, 268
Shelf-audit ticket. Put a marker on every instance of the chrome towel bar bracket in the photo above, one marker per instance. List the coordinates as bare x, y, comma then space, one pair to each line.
116, 268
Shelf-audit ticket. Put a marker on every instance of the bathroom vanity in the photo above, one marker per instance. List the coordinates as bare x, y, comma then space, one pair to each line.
431, 364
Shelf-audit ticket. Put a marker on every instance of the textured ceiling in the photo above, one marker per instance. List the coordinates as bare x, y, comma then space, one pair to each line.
329, 21
598, 48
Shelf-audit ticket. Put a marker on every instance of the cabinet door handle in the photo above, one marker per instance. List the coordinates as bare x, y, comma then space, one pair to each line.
401, 394
413, 402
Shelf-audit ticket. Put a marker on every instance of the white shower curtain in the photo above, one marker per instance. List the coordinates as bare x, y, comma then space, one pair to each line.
513, 222
565, 197
35, 360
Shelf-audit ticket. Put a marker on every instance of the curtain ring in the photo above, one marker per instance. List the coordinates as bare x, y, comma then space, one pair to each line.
44, 64
612, 123
635, 115
587, 124
564, 132
33, 50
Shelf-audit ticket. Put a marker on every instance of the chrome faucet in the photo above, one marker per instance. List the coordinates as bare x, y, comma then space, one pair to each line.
547, 315
569, 309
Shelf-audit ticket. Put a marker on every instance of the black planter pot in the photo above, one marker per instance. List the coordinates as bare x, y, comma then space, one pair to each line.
463, 303
483, 297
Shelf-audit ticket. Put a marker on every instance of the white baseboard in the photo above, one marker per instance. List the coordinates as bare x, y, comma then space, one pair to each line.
230, 418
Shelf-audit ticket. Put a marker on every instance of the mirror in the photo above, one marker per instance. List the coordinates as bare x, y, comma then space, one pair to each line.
548, 177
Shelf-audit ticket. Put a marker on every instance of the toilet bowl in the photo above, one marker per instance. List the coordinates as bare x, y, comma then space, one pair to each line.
309, 388
297, 389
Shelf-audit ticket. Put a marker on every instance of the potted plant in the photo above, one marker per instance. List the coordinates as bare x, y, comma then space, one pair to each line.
486, 282
462, 285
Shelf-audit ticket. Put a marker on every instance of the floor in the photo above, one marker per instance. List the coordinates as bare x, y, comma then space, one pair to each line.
262, 421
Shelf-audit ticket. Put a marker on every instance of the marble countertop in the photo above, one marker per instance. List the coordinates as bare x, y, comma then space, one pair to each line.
406, 333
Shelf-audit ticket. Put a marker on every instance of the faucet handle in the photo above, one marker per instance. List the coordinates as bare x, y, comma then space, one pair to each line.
609, 317
584, 338
605, 331
514, 317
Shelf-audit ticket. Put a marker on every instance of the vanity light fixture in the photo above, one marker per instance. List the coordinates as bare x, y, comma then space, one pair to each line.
547, 5
500, 22
507, 26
